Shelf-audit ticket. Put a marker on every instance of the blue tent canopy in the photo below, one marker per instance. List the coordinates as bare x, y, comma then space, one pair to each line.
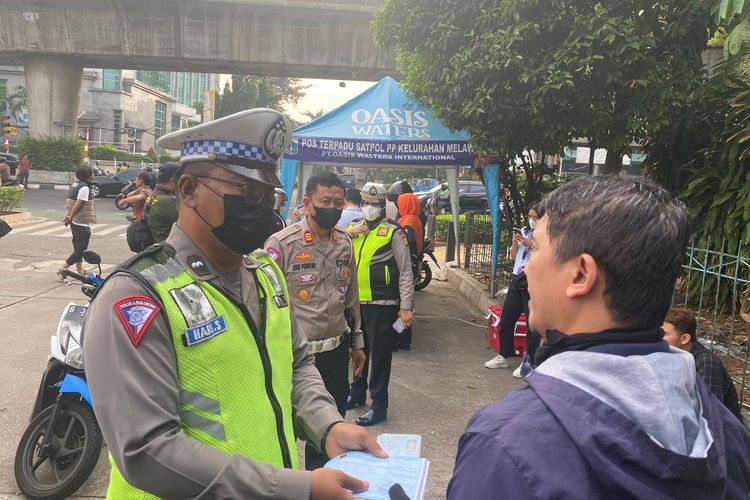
384, 126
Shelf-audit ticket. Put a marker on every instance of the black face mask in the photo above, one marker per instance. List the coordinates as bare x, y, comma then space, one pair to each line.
245, 227
327, 218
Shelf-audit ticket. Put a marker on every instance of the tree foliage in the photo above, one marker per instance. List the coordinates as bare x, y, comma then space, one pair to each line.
734, 17
532, 74
247, 92
52, 153
16, 100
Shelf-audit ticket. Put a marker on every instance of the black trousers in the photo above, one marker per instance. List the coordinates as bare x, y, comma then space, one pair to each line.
81, 237
24, 178
334, 370
516, 303
377, 321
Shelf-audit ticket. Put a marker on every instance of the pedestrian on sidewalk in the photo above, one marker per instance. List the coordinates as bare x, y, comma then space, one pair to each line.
611, 410
24, 168
517, 298
410, 210
317, 260
81, 214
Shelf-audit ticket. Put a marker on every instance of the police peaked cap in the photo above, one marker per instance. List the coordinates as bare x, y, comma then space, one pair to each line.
247, 143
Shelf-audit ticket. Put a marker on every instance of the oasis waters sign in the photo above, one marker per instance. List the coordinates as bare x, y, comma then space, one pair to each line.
381, 137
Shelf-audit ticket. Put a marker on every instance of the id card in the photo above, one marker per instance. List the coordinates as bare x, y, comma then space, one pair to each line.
399, 326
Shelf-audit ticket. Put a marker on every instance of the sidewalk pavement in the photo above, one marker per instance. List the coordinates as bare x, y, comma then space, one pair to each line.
435, 388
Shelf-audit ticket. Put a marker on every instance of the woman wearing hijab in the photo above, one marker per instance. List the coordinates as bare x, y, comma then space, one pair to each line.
410, 210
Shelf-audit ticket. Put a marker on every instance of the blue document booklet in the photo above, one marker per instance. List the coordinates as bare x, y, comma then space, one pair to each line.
382, 473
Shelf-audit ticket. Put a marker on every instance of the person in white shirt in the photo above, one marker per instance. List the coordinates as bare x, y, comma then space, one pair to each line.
352, 211
517, 298
81, 214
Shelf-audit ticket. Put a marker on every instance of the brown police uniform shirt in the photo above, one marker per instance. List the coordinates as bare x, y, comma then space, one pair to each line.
322, 279
135, 391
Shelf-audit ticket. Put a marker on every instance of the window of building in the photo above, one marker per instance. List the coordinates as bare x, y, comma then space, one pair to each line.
159, 119
111, 79
175, 122
117, 136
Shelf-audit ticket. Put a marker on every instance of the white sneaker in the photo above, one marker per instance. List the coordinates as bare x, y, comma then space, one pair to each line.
517, 372
497, 362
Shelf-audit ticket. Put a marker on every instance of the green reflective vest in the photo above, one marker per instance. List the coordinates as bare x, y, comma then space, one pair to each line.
235, 377
377, 272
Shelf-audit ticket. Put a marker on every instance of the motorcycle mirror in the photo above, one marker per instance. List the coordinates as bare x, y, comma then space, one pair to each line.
91, 257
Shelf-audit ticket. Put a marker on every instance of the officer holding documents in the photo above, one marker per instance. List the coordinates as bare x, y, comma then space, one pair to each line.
384, 277
317, 260
200, 377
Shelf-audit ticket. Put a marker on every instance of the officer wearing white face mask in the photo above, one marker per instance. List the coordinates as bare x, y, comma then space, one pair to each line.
384, 278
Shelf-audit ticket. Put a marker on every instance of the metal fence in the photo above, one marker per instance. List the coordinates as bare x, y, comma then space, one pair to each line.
477, 251
715, 284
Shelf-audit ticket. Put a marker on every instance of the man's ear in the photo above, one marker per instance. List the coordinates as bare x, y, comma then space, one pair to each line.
584, 276
306, 203
186, 189
684, 339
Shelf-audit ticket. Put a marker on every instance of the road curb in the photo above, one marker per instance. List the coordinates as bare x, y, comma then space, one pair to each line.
59, 187
474, 291
16, 217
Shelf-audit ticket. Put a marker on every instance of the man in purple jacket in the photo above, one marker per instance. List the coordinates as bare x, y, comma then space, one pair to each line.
610, 411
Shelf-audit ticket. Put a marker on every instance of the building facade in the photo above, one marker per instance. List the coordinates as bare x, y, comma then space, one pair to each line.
128, 109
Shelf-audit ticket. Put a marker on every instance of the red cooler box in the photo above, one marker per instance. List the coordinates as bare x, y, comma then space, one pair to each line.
493, 330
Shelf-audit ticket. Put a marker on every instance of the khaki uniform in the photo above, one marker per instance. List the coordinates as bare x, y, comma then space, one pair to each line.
322, 280
136, 395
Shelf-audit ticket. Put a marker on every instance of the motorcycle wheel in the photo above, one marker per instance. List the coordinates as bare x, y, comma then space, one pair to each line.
425, 276
117, 203
77, 441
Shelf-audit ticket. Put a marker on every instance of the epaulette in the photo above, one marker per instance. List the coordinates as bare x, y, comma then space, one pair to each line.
288, 231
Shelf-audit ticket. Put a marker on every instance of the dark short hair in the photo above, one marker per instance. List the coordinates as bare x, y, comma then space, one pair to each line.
354, 195
145, 176
167, 172
84, 173
325, 179
635, 231
683, 321
535, 208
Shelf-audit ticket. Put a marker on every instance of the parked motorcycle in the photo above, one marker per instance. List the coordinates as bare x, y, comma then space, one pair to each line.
60, 447
424, 273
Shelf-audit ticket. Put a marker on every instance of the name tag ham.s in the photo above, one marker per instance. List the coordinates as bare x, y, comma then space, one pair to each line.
204, 331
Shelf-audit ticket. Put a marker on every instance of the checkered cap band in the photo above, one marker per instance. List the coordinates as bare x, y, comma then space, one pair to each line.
197, 150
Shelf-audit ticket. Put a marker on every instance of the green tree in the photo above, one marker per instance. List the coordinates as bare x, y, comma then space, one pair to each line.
247, 92
734, 18
16, 100
527, 74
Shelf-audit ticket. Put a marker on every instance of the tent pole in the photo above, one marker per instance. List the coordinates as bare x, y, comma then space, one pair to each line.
452, 175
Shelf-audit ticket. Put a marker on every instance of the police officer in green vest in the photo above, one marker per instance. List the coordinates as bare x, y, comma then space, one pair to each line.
200, 378
384, 277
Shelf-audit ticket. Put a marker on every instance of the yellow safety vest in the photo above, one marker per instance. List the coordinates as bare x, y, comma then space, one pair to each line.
377, 272
235, 376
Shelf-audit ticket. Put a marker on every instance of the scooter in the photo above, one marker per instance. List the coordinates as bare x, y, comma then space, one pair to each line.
424, 273
60, 447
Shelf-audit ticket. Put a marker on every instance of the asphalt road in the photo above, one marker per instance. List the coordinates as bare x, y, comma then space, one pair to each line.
435, 388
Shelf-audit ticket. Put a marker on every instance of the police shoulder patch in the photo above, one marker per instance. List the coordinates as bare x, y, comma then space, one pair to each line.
136, 314
274, 253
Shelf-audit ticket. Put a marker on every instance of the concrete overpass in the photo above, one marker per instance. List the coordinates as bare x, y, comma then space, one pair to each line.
55, 39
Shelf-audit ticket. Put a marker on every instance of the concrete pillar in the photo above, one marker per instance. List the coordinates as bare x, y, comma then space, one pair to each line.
53, 89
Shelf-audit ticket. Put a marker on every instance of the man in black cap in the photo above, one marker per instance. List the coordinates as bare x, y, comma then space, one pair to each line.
200, 377
161, 206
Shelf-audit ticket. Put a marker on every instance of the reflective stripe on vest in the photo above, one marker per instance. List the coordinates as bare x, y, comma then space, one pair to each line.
377, 272
236, 386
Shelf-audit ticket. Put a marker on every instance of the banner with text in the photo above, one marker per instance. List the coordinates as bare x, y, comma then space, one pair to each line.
368, 151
